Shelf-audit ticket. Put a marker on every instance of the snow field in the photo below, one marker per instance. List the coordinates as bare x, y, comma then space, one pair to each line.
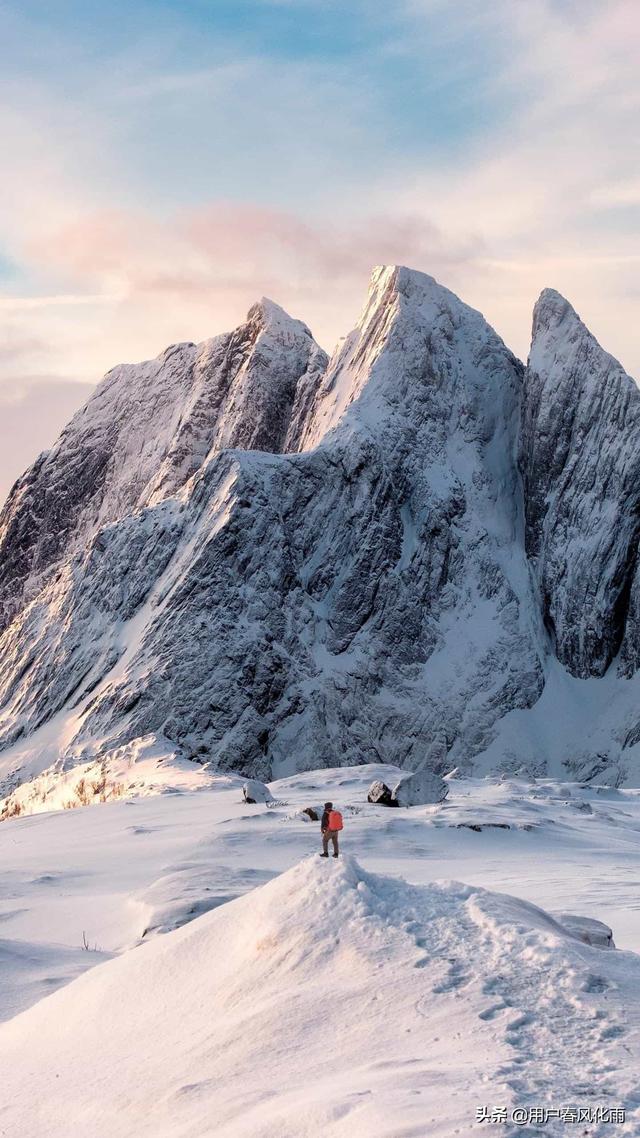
326, 998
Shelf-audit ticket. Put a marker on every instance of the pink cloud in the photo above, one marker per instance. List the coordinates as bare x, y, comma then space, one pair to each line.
217, 259
239, 245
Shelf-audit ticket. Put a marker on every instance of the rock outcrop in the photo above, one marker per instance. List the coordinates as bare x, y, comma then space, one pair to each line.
420, 789
380, 794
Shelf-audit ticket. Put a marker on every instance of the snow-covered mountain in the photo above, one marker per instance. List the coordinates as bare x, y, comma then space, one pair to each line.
417, 552
581, 469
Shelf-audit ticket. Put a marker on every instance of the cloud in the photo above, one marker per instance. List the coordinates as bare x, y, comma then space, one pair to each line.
26, 303
197, 272
157, 188
616, 193
551, 189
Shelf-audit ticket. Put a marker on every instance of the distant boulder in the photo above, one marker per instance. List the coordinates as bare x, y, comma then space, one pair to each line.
254, 791
587, 929
420, 789
311, 813
380, 794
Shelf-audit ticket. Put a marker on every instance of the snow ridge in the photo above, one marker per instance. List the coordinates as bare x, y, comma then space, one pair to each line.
299, 977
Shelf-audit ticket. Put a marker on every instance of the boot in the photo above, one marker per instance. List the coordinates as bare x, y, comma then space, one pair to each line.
335, 855
325, 855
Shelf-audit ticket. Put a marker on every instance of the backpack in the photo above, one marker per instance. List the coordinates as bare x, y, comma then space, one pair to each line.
335, 820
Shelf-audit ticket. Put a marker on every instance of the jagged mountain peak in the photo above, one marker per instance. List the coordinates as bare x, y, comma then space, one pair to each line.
550, 309
325, 577
393, 284
146, 431
416, 346
402, 278
558, 329
419, 298
581, 466
266, 315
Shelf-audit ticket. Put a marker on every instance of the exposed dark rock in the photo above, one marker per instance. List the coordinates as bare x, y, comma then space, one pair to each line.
478, 827
380, 794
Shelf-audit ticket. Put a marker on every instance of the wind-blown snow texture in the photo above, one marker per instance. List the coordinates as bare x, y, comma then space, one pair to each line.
278, 564
331, 1001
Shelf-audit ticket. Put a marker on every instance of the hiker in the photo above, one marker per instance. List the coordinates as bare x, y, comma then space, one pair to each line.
330, 826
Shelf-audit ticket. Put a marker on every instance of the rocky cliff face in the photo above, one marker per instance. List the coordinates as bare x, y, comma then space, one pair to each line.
360, 598
277, 563
146, 430
580, 458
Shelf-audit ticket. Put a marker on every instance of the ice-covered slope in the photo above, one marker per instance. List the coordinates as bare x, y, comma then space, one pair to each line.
329, 1001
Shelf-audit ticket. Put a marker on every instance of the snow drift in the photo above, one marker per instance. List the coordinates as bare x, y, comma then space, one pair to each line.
329, 1001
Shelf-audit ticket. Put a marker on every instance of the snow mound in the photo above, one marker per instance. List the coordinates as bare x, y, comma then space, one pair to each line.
259, 1018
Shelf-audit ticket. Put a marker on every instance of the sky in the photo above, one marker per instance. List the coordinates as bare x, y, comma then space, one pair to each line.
166, 163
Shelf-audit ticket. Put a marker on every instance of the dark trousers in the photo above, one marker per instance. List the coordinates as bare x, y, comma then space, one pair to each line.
330, 836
